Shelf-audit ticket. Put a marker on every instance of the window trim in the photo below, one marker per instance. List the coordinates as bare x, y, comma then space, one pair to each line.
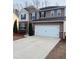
58, 11
42, 13
33, 16
52, 13
23, 16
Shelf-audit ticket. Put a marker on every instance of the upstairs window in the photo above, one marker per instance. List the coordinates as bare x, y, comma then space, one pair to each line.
54, 13
42, 14
58, 12
37, 15
48, 14
23, 16
33, 16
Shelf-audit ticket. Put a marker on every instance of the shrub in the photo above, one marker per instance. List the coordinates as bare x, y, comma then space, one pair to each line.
15, 27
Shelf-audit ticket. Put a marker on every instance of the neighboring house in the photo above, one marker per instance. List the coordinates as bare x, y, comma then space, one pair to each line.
49, 22
26, 17
23, 20
16, 17
32, 12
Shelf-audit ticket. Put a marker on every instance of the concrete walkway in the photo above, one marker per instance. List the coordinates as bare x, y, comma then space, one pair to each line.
33, 47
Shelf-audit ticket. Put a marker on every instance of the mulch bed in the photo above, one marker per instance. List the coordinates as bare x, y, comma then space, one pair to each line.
17, 36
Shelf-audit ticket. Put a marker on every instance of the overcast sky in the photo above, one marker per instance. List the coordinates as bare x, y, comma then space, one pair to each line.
50, 2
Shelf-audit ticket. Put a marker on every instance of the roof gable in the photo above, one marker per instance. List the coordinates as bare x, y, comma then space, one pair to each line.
23, 11
31, 9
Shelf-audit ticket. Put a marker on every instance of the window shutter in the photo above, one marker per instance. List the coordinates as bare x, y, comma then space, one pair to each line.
40, 14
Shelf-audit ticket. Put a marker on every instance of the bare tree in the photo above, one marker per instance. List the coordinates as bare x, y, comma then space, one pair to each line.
42, 4
26, 4
56, 4
45, 3
36, 3
21, 6
18, 7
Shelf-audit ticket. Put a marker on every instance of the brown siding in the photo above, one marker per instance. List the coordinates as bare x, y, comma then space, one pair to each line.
62, 12
61, 30
48, 13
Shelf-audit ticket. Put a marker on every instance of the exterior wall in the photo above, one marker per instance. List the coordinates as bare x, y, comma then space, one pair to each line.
48, 14
30, 16
15, 17
51, 23
53, 20
61, 30
62, 12
64, 27
37, 17
34, 15
23, 11
24, 31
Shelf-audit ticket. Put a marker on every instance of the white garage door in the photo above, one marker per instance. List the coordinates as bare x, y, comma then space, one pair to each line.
47, 30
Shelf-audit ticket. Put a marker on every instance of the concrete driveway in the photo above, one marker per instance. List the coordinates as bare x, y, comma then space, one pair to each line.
33, 47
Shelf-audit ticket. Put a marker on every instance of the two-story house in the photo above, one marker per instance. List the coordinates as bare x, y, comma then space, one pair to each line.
49, 22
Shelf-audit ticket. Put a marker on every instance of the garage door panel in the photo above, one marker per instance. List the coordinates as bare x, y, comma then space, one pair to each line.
47, 30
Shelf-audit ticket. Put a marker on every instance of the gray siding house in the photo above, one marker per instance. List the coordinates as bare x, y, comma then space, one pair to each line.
47, 22
50, 22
